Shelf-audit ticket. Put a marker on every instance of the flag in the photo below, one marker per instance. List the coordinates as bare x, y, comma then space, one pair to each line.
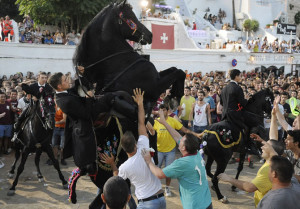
163, 36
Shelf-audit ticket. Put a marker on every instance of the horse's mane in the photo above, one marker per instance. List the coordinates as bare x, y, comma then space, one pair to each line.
81, 56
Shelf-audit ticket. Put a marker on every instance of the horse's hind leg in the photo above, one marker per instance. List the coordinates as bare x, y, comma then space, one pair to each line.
50, 154
37, 164
221, 166
240, 168
208, 165
12, 169
25, 154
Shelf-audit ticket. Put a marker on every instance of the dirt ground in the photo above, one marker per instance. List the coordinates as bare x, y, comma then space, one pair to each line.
32, 194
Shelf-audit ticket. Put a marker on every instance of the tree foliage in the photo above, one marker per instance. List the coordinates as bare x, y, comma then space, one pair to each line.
297, 18
251, 25
72, 14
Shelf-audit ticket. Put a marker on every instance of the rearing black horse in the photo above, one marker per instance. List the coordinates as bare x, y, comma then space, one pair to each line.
218, 134
112, 63
36, 137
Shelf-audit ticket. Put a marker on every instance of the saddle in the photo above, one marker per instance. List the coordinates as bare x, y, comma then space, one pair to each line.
227, 134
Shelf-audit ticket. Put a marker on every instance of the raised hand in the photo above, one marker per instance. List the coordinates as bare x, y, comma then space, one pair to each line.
138, 96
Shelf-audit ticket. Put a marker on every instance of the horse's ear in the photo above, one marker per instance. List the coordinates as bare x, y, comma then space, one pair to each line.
124, 2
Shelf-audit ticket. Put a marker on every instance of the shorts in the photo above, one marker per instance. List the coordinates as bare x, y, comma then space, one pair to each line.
167, 157
5, 131
58, 138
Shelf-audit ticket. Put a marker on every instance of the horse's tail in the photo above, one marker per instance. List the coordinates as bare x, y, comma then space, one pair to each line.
72, 185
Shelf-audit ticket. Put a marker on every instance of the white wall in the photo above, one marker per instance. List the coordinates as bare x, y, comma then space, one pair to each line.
28, 57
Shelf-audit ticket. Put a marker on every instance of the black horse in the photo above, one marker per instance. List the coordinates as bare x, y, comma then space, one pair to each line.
36, 137
224, 138
112, 63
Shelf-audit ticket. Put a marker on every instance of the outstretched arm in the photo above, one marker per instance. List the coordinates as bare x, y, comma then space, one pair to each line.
158, 172
243, 185
138, 98
176, 136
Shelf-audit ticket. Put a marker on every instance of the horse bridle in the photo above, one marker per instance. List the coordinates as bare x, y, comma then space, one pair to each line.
132, 25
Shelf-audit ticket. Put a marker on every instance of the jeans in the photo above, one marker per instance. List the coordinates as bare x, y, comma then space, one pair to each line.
159, 203
199, 129
58, 137
168, 157
5, 131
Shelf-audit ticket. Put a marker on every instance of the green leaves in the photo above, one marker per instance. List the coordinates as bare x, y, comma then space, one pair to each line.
251, 25
71, 13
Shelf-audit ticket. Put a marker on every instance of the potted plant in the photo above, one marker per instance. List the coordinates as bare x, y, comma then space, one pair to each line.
268, 26
275, 22
177, 9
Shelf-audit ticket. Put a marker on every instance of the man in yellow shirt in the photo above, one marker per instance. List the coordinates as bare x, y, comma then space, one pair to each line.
186, 104
261, 184
165, 143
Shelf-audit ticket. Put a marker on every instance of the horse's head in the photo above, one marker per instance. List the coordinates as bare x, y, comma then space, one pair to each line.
47, 109
130, 27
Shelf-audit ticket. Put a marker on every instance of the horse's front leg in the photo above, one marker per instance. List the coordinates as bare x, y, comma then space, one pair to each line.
50, 154
37, 164
208, 165
221, 166
17, 156
12, 189
239, 169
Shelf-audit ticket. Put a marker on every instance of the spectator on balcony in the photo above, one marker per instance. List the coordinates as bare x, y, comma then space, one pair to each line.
28, 22
71, 38
28, 35
58, 38
194, 25
38, 35
8, 29
48, 40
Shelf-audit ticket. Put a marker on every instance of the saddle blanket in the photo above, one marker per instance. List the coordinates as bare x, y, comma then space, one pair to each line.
227, 134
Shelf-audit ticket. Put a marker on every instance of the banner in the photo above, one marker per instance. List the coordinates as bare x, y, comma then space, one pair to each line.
286, 29
163, 36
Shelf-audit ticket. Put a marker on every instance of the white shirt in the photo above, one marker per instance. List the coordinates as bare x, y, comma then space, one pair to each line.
22, 104
136, 170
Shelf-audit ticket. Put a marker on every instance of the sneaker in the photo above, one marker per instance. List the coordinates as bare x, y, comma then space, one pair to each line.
168, 192
232, 161
49, 162
63, 162
251, 164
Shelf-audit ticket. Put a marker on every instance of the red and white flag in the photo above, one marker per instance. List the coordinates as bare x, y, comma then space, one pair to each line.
163, 36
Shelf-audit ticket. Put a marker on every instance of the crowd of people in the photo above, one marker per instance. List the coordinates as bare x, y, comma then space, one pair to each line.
200, 107
28, 33
272, 47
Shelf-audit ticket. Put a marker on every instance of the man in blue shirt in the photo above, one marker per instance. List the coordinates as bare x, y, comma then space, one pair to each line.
189, 170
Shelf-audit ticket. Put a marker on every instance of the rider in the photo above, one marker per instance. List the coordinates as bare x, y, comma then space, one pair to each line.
41, 88
233, 101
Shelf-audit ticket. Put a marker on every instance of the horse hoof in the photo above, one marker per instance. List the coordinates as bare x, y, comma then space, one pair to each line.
66, 186
41, 179
10, 175
234, 189
11, 192
224, 200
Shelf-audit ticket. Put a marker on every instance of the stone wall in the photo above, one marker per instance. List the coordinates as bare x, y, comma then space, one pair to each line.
52, 58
